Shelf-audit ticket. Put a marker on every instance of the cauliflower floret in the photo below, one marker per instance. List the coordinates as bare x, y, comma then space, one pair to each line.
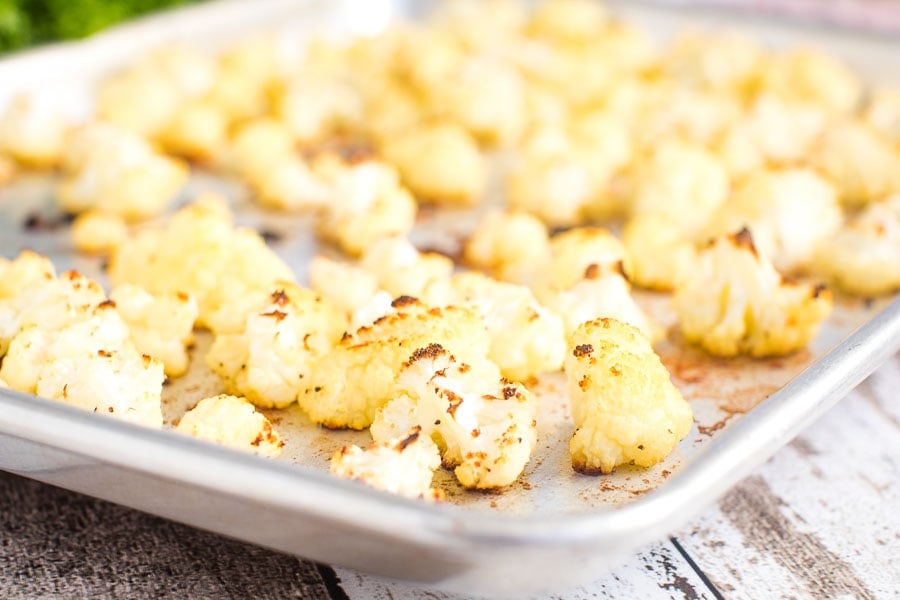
556, 188
97, 232
31, 133
737, 303
197, 131
403, 465
568, 20
625, 407
348, 287
603, 292
270, 358
401, 269
25, 271
160, 326
508, 245
257, 146
883, 113
807, 75
317, 104
726, 62
574, 251
789, 213
290, 183
661, 257
350, 383
118, 173
863, 165
681, 182
233, 422
526, 338
483, 425
864, 256
440, 163
367, 204
89, 363
199, 252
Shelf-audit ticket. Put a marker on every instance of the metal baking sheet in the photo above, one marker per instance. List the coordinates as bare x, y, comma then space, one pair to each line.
569, 526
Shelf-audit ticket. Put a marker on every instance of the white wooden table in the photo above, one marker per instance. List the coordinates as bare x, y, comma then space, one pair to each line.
819, 520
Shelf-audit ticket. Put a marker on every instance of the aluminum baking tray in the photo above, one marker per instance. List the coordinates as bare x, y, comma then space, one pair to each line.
565, 526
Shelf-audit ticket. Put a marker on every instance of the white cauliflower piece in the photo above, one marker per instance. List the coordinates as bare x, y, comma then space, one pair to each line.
574, 251
403, 465
97, 232
661, 256
401, 269
681, 182
316, 104
808, 75
737, 303
508, 245
118, 173
568, 20
257, 146
197, 131
483, 425
350, 383
526, 338
347, 286
726, 62
290, 183
199, 252
557, 189
440, 163
31, 133
270, 359
366, 204
883, 112
864, 165
160, 326
863, 257
233, 422
625, 407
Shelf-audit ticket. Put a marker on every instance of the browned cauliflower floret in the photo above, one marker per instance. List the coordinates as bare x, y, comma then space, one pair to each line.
233, 422
257, 147
200, 252
198, 130
483, 425
725, 62
98, 232
735, 302
864, 256
316, 104
403, 465
31, 133
808, 75
568, 21
625, 407
661, 256
350, 383
508, 246
401, 269
573, 252
347, 286
271, 356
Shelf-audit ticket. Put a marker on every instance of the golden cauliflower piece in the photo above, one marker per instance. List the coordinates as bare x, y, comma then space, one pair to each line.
789, 212
403, 465
289, 183
574, 251
401, 269
883, 113
681, 182
725, 62
625, 407
31, 133
526, 338
661, 256
198, 130
233, 422
568, 21
271, 357
97, 232
864, 256
366, 204
440, 163
483, 425
348, 287
117, 172
735, 302
317, 104
350, 383
864, 165
161, 326
508, 245
200, 252
256, 147
808, 75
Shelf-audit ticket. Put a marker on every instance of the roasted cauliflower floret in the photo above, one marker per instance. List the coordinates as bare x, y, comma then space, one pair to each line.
661, 256
883, 113
526, 338
199, 252
233, 422
160, 326
573, 252
808, 75
117, 172
270, 359
366, 204
440, 163
789, 212
864, 165
31, 133
508, 246
568, 21
197, 131
403, 465
681, 182
350, 383
401, 269
735, 302
289, 183
625, 407
256, 147
316, 104
483, 425
347, 286
863, 257
98, 232
725, 62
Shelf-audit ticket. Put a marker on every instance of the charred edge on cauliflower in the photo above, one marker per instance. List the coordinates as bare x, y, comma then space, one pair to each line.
402, 301
268, 435
582, 350
409, 439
